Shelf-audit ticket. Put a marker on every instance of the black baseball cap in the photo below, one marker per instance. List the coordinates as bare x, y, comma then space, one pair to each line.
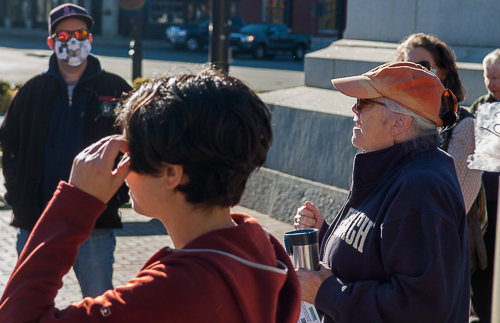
68, 10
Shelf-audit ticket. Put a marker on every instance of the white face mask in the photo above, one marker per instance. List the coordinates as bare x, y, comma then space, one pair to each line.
73, 52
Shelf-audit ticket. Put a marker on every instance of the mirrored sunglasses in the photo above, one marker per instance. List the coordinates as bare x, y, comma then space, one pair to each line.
358, 104
65, 35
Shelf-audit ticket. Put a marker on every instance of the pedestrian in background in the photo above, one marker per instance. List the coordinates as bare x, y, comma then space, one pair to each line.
192, 142
51, 119
482, 280
398, 249
457, 139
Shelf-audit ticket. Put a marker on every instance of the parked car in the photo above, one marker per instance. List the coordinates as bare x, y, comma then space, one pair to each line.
194, 35
268, 39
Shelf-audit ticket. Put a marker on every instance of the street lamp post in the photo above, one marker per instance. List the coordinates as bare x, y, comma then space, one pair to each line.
136, 46
219, 30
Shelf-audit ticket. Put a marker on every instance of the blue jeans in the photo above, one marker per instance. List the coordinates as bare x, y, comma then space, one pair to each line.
94, 264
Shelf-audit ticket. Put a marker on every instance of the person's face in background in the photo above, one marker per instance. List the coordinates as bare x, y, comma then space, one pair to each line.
492, 80
419, 54
72, 52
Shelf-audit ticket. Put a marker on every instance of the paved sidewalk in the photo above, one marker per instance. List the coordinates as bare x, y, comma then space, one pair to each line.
139, 239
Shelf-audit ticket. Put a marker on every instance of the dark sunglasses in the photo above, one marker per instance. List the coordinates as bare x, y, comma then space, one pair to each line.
358, 106
425, 64
65, 35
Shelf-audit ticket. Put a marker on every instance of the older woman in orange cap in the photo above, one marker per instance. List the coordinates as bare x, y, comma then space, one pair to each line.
398, 249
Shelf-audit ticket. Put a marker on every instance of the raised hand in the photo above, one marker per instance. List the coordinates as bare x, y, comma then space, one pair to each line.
308, 217
93, 169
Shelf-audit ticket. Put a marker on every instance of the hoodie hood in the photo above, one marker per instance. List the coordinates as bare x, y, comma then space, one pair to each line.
254, 265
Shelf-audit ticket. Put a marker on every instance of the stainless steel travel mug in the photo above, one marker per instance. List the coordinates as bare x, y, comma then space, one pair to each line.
302, 247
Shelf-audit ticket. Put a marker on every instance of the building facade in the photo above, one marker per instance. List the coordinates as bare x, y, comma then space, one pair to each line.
320, 18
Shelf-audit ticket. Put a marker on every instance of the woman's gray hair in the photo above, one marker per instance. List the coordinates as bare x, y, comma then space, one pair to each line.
493, 58
420, 125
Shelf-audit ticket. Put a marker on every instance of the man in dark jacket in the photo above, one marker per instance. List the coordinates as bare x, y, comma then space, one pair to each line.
52, 118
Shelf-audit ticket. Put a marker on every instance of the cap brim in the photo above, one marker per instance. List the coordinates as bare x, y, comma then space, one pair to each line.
356, 86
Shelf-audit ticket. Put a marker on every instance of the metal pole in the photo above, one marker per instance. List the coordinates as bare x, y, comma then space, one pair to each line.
136, 46
495, 308
220, 28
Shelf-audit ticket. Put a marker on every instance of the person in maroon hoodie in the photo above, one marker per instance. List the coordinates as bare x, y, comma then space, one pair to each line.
190, 143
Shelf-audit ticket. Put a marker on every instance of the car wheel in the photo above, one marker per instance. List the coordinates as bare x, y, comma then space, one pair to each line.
299, 52
193, 44
260, 51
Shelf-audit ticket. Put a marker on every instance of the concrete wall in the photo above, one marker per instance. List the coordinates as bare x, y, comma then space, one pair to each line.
312, 131
311, 155
279, 195
345, 58
457, 22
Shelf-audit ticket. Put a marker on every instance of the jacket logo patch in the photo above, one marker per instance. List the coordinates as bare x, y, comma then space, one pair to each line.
106, 109
105, 311
354, 229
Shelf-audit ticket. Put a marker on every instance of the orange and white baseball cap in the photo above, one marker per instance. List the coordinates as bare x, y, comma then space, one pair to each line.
406, 83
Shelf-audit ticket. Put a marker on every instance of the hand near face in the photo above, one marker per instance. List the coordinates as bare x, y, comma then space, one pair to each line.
310, 281
93, 169
308, 217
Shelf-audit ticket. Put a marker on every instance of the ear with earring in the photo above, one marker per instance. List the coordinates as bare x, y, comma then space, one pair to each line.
400, 126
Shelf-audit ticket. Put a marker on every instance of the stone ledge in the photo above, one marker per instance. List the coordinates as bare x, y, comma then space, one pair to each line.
279, 195
347, 57
312, 130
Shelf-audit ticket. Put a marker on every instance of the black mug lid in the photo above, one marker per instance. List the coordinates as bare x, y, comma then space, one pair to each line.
300, 238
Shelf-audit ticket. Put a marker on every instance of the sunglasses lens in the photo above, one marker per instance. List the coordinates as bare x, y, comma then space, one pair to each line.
81, 34
425, 64
63, 36
358, 108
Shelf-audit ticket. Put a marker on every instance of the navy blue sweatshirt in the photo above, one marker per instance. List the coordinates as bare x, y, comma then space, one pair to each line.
399, 248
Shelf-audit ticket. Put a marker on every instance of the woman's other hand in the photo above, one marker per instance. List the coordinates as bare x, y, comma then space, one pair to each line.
310, 281
308, 217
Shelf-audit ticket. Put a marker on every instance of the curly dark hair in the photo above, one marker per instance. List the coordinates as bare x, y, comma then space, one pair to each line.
443, 56
210, 123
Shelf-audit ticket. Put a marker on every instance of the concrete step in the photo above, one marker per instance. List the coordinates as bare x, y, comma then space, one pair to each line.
347, 57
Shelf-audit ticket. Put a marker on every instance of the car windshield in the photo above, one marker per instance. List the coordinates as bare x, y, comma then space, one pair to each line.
253, 28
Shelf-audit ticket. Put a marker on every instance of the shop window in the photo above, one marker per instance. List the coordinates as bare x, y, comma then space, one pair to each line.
277, 11
167, 12
330, 15
42, 9
178, 11
12, 12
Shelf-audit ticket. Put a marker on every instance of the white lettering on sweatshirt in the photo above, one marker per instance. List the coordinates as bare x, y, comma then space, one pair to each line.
354, 229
